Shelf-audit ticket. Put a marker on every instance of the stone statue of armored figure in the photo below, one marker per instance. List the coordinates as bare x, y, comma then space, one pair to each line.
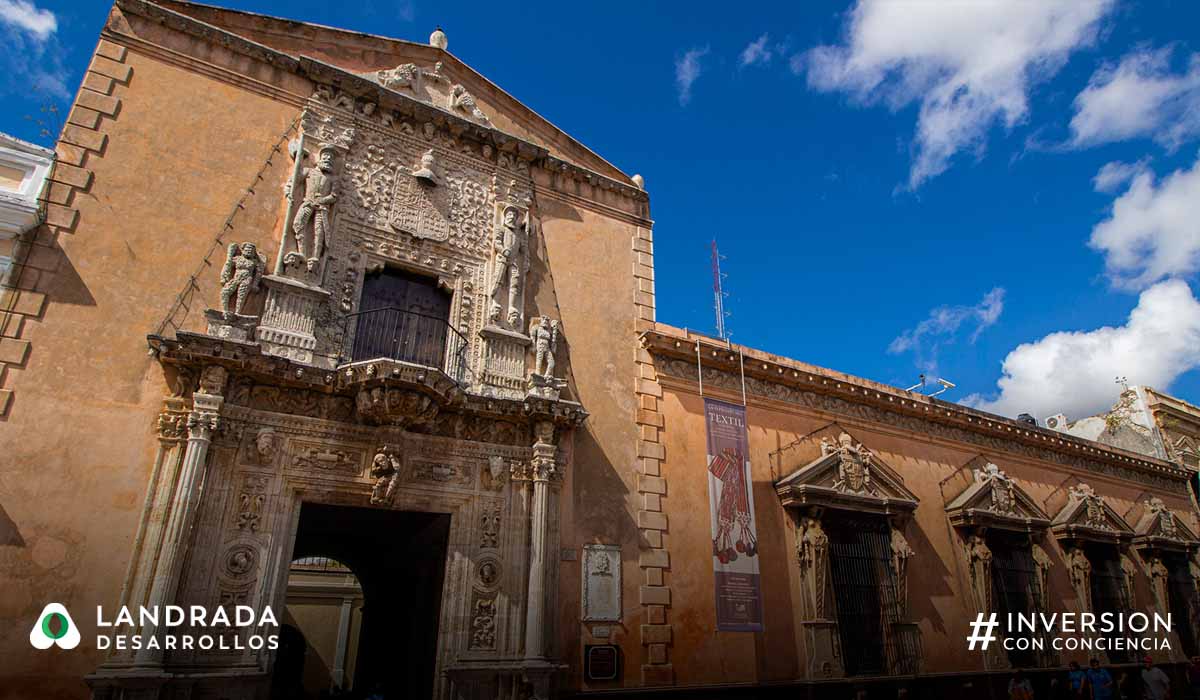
544, 332
511, 245
244, 267
315, 208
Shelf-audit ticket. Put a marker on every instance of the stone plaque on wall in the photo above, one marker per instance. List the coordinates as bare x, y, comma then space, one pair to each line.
601, 583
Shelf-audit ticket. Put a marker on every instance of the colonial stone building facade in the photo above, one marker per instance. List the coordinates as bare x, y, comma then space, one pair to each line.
307, 294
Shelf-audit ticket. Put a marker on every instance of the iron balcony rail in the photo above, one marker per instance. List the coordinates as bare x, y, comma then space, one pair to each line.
408, 336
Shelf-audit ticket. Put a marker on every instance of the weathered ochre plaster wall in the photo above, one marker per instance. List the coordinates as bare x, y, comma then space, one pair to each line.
79, 439
939, 597
593, 295
361, 53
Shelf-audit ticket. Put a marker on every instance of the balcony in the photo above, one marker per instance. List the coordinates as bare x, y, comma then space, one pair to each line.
392, 333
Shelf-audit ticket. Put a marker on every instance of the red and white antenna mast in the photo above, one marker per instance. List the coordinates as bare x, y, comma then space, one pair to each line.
718, 292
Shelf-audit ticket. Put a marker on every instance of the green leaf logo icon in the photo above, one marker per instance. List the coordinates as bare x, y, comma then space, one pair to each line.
54, 626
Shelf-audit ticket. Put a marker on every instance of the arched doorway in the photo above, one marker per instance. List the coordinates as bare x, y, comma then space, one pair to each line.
389, 565
324, 612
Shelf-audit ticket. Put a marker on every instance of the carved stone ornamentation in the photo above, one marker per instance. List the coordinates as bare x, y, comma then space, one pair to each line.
266, 446
1093, 506
510, 263
326, 459
813, 554
419, 206
463, 103
1166, 519
488, 573
1041, 565
1080, 571
249, 510
489, 526
244, 268
385, 470
483, 623
854, 465
979, 563
1003, 498
901, 553
314, 213
1128, 577
544, 333
493, 477
240, 561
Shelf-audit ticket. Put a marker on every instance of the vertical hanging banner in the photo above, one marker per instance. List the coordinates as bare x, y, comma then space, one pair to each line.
731, 505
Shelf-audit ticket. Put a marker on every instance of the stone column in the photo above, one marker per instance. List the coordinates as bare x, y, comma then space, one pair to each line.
202, 423
543, 471
343, 638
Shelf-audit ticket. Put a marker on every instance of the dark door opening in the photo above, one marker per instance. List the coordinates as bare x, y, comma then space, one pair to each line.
399, 560
402, 316
1014, 585
864, 592
1108, 591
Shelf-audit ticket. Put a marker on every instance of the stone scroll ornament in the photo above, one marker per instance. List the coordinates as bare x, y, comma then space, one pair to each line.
244, 268
313, 216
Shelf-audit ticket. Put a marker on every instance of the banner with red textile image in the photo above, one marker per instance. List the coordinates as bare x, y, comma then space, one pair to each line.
731, 504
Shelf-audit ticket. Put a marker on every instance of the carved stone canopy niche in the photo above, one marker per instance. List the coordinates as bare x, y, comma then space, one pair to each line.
1159, 529
1087, 517
987, 497
844, 475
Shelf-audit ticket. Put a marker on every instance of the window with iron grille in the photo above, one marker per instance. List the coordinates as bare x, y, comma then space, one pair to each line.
1014, 585
1108, 592
865, 596
402, 316
1183, 602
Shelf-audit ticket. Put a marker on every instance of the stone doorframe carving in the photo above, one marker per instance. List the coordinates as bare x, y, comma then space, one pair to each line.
981, 497
1160, 533
1087, 518
843, 475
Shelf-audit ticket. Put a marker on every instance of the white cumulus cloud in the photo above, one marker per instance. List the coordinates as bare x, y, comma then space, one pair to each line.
1153, 229
29, 18
687, 70
969, 65
1139, 97
942, 327
1073, 371
756, 51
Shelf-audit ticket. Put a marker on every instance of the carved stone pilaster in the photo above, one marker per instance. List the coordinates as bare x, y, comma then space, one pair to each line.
901, 553
1080, 570
545, 475
812, 545
202, 422
1041, 567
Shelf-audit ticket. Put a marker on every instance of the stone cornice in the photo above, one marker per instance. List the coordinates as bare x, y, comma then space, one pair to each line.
770, 377
324, 73
193, 351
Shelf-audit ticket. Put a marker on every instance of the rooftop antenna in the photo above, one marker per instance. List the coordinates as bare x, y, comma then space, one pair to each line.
1124, 382
946, 386
718, 292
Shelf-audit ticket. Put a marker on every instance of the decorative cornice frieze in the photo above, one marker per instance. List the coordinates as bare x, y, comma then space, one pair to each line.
769, 378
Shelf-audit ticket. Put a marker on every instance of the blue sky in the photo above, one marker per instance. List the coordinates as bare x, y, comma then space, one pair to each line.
1002, 194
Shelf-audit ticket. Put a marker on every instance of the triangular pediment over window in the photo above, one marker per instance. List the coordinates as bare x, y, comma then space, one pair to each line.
845, 475
1159, 528
993, 499
1087, 516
